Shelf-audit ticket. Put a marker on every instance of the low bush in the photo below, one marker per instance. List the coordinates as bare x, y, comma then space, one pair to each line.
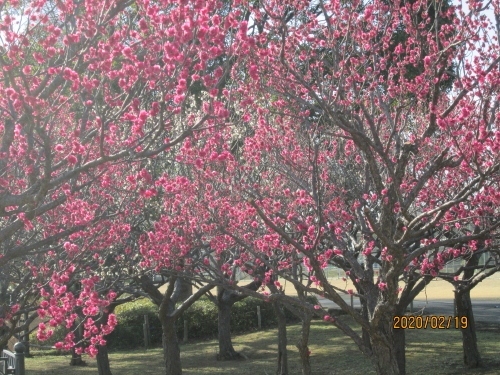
201, 318
129, 332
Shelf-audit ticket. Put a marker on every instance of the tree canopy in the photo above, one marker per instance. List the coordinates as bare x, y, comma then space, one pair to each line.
252, 137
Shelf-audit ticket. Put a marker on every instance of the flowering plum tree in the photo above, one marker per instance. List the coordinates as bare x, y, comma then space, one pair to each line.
89, 92
304, 132
352, 161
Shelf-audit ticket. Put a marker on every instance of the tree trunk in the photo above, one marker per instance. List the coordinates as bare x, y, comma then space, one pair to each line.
384, 352
170, 341
171, 350
282, 340
76, 359
226, 350
384, 358
103, 360
472, 358
365, 314
399, 339
168, 314
224, 302
304, 352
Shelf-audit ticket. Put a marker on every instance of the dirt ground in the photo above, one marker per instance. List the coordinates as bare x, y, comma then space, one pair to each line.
489, 289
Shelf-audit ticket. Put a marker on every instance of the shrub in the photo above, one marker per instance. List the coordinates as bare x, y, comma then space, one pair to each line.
129, 331
201, 318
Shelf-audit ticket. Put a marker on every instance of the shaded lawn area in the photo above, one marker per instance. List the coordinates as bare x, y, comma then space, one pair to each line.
428, 352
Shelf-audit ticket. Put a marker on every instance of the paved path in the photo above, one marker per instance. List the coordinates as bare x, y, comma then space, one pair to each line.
487, 311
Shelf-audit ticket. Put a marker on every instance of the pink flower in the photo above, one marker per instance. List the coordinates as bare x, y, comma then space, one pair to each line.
328, 318
72, 159
179, 99
92, 350
382, 286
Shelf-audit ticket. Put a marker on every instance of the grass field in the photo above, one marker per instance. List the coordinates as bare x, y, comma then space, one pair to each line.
429, 352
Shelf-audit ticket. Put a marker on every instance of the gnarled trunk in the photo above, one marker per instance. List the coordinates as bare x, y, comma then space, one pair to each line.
225, 300
171, 350
384, 352
365, 314
226, 350
472, 358
302, 345
76, 359
282, 340
399, 340
170, 341
384, 358
168, 314
103, 360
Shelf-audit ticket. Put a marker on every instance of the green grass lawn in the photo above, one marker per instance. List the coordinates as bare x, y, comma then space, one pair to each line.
429, 352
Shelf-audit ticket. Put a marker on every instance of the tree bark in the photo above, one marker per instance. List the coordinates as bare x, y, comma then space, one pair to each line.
224, 301
226, 350
399, 339
103, 360
304, 351
413, 286
472, 358
170, 341
282, 340
168, 314
384, 352
365, 314
76, 359
384, 358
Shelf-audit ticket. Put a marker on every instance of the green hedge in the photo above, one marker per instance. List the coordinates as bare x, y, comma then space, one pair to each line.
129, 331
201, 318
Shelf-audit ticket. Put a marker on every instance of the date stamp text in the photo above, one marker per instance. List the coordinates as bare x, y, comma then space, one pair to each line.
429, 321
